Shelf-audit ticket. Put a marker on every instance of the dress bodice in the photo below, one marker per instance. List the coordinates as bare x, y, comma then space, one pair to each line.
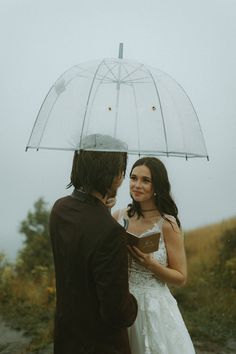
138, 274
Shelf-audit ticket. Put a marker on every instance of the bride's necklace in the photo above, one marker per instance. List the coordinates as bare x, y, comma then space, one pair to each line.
145, 210
150, 214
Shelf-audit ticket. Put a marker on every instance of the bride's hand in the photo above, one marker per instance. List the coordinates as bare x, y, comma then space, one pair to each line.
146, 259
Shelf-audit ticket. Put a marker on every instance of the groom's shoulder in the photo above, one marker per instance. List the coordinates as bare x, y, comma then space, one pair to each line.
61, 202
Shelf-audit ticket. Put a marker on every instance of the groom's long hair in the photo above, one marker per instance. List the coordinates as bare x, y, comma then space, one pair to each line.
95, 170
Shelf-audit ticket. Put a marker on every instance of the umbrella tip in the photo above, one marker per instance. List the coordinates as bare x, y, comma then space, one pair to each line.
121, 50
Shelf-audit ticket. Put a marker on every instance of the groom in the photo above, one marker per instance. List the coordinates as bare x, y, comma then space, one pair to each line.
94, 306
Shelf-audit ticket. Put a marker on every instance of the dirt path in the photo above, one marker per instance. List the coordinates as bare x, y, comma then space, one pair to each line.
12, 341
15, 342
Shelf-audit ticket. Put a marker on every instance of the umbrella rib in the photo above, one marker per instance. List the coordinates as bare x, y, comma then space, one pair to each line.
136, 80
46, 121
163, 122
127, 82
102, 78
82, 73
87, 103
84, 70
199, 125
132, 72
109, 69
180, 123
117, 99
135, 100
109, 80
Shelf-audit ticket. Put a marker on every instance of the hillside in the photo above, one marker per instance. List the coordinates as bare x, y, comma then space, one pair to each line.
208, 301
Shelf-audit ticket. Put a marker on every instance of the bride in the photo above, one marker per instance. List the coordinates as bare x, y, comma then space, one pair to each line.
159, 327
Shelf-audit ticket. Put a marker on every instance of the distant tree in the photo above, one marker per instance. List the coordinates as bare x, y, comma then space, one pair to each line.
36, 251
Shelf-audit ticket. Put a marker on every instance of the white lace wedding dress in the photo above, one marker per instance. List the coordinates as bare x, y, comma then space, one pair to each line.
159, 327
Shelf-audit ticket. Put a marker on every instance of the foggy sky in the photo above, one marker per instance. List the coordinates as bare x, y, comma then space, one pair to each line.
193, 41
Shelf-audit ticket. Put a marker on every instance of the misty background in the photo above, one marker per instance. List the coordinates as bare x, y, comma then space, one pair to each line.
194, 42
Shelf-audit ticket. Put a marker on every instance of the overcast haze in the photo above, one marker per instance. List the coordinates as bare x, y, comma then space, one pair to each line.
193, 41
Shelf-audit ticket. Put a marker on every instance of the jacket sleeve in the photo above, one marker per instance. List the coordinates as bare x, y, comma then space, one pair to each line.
118, 308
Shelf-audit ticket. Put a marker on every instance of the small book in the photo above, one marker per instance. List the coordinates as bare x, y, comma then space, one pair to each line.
147, 242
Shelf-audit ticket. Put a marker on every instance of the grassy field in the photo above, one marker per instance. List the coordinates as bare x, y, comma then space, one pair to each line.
207, 302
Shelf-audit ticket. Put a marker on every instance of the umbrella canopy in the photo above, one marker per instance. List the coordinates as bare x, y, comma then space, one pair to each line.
127, 100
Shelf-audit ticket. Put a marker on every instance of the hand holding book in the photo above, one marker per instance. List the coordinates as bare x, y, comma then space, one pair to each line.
147, 242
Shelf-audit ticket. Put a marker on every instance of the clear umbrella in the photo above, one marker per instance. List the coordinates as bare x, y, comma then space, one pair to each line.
127, 100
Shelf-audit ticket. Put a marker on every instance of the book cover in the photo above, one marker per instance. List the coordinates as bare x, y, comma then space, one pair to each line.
147, 242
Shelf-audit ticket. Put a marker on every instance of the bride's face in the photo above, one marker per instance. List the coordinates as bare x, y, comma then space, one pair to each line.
141, 187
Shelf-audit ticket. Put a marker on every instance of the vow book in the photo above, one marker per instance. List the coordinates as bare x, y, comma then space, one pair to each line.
147, 242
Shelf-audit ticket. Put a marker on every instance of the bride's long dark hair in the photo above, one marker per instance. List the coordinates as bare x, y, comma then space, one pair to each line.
162, 189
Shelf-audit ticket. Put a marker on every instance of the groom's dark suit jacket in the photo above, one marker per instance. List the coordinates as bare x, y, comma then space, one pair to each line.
94, 306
